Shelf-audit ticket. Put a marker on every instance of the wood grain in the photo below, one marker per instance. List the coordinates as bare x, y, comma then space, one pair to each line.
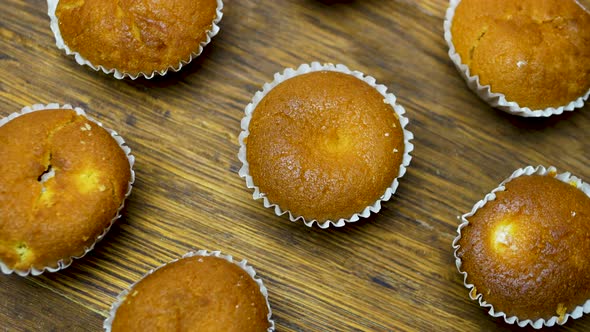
391, 272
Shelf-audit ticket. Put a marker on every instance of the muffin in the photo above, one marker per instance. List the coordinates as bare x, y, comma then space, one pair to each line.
527, 57
64, 180
200, 292
133, 38
324, 144
523, 250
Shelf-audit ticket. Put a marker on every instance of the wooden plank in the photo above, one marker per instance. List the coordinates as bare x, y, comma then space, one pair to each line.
391, 272
25, 305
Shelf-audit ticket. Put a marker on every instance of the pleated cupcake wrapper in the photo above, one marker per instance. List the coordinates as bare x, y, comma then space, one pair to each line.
65, 262
389, 98
498, 100
539, 323
108, 323
52, 6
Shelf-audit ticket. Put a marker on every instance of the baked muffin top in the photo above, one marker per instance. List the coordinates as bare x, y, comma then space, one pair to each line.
199, 293
135, 36
535, 52
62, 179
526, 251
324, 145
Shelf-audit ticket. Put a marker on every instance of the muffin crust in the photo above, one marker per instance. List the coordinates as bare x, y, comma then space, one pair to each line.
526, 251
535, 52
199, 293
135, 36
62, 180
324, 145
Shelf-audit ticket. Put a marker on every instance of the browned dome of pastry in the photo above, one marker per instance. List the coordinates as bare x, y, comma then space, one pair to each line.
526, 251
205, 294
135, 36
535, 52
44, 219
324, 145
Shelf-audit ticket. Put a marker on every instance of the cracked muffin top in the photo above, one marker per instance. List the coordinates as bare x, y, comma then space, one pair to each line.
535, 52
62, 180
199, 293
324, 145
526, 252
135, 36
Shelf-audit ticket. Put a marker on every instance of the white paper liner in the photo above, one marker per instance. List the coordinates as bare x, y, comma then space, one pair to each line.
389, 98
497, 100
539, 323
63, 263
52, 5
243, 265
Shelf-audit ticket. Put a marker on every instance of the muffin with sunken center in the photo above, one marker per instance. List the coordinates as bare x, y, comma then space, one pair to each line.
536, 53
526, 251
136, 36
324, 145
63, 179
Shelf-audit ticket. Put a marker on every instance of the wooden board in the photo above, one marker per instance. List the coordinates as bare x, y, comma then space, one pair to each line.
391, 272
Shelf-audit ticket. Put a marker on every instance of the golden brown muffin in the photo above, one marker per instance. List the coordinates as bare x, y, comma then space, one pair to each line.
44, 219
535, 52
526, 251
199, 293
135, 36
324, 145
